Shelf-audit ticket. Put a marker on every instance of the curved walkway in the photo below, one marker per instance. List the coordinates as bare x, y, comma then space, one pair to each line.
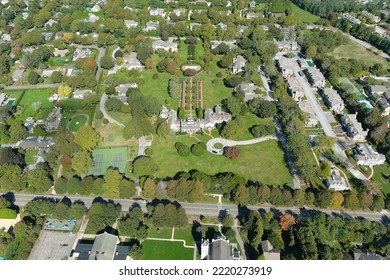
105, 114
225, 142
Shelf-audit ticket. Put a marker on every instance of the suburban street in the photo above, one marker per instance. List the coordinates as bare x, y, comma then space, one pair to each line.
210, 209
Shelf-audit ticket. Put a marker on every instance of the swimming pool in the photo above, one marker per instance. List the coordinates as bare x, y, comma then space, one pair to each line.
11, 101
366, 103
310, 63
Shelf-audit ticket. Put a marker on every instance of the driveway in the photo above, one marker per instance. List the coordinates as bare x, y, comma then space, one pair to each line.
105, 114
226, 142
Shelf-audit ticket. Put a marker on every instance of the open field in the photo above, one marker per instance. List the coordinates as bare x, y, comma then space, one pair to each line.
166, 250
356, 51
165, 232
33, 96
303, 15
30, 156
186, 234
378, 171
249, 121
263, 162
105, 158
347, 81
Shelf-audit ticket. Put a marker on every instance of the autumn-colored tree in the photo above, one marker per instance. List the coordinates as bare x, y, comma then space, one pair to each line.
65, 159
149, 63
171, 67
231, 152
286, 221
89, 64
149, 189
337, 200
366, 199
64, 91
241, 195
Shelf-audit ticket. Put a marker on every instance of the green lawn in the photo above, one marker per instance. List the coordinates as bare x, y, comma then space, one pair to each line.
303, 15
161, 233
356, 51
347, 81
384, 183
166, 250
32, 96
30, 156
262, 162
186, 234
249, 121
76, 122
14, 94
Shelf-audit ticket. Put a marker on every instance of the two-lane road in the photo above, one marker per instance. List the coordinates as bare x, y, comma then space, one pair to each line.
210, 209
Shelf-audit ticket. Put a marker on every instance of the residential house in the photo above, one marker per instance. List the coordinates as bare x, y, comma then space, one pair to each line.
295, 89
366, 256
70, 71
81, 53
276, 15
353, 128
219, 249
269, 252
47, 73
3, 99
17, 76
251, 15
60, 53
365, 154
47, 35
315, 77
150, 26
131, 62
306, 107
35, 142
92, 18
333, 100
221, 25
106, 246
216, 43
252, 4
384, 105
378, 90
54, 97
96, 8
249, 89
238, 64
53, 120
336, 182
192, 24
165, 45
286, 66
131, 23
190, 125
50, 23
369, 15
122, 91
80, 94
286, 46
351, 18
6, 37
157, 12
179, 12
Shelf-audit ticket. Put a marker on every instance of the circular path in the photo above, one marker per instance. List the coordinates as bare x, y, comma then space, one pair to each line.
226, 142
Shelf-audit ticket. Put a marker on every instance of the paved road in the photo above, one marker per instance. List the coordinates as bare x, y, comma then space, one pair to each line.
226, 142
209, 209
100, 55
309, 93
105, 114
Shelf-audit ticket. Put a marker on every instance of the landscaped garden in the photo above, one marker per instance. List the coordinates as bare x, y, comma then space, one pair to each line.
35, 103
77, 121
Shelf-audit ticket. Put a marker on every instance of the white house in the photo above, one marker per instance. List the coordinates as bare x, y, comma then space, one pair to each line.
219, 249
238, 64
306, 107
336, 182
333, 100
81, 53
295, 89
80, 94
131, 62
353, 128
286, 66
315, 77
157, 12
365, 154
165, 45
150, 26
131, 23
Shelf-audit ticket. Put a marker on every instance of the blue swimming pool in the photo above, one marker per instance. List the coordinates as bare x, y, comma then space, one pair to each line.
11, 101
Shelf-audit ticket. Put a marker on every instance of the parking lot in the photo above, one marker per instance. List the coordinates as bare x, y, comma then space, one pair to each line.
52, 245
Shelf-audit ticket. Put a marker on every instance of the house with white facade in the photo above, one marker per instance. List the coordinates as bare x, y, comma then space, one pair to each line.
81, 94
165, 45
333, 100
365, 154
219, 249
286, 66
131, 23
238, 64
159, 12
295, 89
315, 77
353, 128
131, 62
336, 182
151, 26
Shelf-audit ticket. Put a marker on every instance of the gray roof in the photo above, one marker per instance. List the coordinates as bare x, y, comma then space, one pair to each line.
84, 248
35, 143
221, 250
104, 247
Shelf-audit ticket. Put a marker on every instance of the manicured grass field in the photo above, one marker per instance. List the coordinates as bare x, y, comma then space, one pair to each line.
263, 162
108, 157
76, 122
30, 156
356, 51
14, 94
249, 121
384, 183
186, 234
161, 233
303, 15
33, 96
166, 250
347, 81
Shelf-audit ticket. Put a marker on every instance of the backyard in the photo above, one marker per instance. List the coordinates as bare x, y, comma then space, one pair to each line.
378, 177
262, 162
166, 250
77, 121
38, 97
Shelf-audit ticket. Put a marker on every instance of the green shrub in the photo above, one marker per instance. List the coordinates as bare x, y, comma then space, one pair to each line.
99, 115
7, 213
198, 149
105, 121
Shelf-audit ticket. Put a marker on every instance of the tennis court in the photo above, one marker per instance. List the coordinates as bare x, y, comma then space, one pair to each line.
348, 82
108, 157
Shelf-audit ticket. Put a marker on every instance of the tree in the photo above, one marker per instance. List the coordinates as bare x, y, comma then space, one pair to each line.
87, 138
33, 77
110, 90
311, 51
262, 108
324, 142
286, 221
81, 162
107, 62
16, 132
231, 152
351, 201
39, 179
326, 169
56, 77
240, 195
73, 185
64, 91
163, 129
60, 185
113, 104
226, 60
136, 252
366, 199
337, 200
149, 190
182, 149
162, 65
112, 180
198, 149
378, 203
233, 106
145, 166
230, 130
